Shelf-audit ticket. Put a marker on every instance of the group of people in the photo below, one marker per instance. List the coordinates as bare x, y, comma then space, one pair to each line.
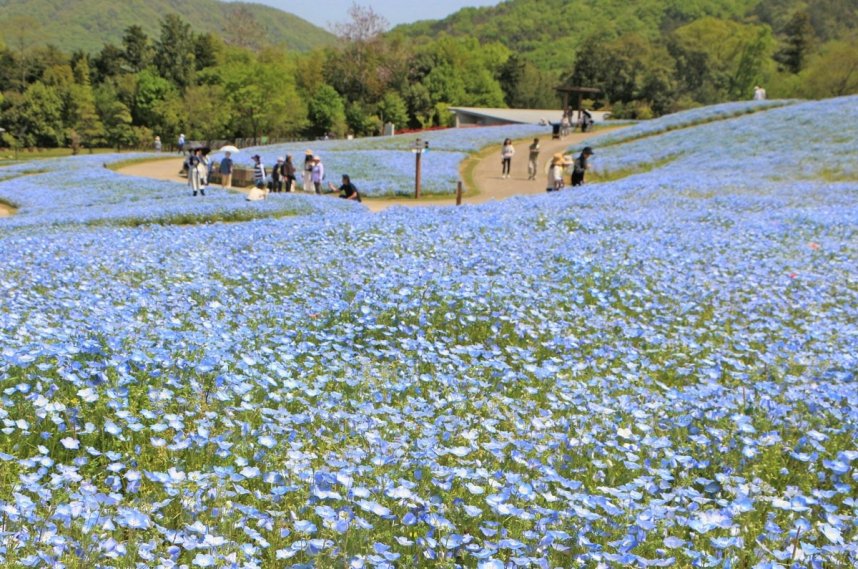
556, 168
561, 163
283, 178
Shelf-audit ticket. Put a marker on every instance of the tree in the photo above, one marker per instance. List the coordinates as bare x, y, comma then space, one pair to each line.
243, 30
148, 106
206, 49
174, 51
833, 72
797, 44
117, 123
35, 116
358, 69
392, 109
22, 32
108, 63
326, 113
138, 51
210, 120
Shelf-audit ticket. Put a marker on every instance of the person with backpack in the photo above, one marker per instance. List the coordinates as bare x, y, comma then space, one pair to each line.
580, 166
347, 190
277, 176
289, 173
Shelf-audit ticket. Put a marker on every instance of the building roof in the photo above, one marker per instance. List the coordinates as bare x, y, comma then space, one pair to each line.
522, 116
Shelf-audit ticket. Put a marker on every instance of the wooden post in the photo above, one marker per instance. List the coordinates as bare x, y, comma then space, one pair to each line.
417, 176
459, 193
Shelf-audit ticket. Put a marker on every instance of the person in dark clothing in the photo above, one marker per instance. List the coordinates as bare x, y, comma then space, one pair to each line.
347, 190
277, 176
581, 165
289, 173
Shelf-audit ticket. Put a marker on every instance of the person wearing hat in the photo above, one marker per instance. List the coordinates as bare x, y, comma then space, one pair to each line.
258, 171
259, 191
317, 174
277, 176
308, 171
580, 166
555, 172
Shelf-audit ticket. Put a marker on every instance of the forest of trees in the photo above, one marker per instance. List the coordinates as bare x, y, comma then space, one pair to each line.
197, 83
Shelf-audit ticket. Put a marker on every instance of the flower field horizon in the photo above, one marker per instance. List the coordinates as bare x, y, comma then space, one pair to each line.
658, 371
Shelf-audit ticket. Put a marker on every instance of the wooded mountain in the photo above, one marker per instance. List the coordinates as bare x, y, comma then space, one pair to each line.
550, 32
89, 24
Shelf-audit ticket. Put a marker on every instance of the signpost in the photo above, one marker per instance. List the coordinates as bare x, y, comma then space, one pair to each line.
418, 149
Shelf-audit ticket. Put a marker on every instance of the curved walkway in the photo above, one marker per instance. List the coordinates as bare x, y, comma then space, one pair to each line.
486, 174
5, 210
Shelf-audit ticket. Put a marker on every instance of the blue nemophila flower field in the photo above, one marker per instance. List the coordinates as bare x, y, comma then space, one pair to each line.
659, 371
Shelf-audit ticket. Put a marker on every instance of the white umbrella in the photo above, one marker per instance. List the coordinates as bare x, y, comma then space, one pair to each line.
229, 148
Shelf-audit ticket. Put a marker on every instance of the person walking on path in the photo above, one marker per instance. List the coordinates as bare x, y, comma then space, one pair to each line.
347, 190
157, 144
759, 93
289, 173
181, 143
226, 171
308, 171
532, 158
580, 166
507, 152
317, 174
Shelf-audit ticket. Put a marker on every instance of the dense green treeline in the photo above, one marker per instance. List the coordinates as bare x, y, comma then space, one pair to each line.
648, 57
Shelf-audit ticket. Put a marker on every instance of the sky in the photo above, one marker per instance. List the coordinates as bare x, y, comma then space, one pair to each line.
324, 12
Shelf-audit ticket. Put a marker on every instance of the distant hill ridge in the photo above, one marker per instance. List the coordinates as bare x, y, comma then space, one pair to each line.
88, 24
548, 32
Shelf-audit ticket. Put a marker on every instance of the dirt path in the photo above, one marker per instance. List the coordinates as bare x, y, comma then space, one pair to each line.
5, 210
486, 175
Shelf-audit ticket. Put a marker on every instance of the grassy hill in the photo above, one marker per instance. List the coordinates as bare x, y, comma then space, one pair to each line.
548, 32
88, 24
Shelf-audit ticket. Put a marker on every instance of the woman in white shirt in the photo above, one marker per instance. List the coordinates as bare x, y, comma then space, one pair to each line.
507, 153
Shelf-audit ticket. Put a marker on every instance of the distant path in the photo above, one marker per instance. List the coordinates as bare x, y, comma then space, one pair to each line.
486, 175
5, 210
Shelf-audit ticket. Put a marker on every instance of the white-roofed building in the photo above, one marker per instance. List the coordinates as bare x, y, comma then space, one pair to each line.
477, 116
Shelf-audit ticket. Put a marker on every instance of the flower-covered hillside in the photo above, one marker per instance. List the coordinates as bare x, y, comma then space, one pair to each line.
655, 372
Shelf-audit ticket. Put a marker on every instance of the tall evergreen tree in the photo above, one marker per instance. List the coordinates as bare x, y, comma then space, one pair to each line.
138, 50
797, 44
174, 51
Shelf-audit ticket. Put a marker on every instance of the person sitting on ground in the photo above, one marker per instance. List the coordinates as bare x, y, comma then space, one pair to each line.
347, 190
581, 165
